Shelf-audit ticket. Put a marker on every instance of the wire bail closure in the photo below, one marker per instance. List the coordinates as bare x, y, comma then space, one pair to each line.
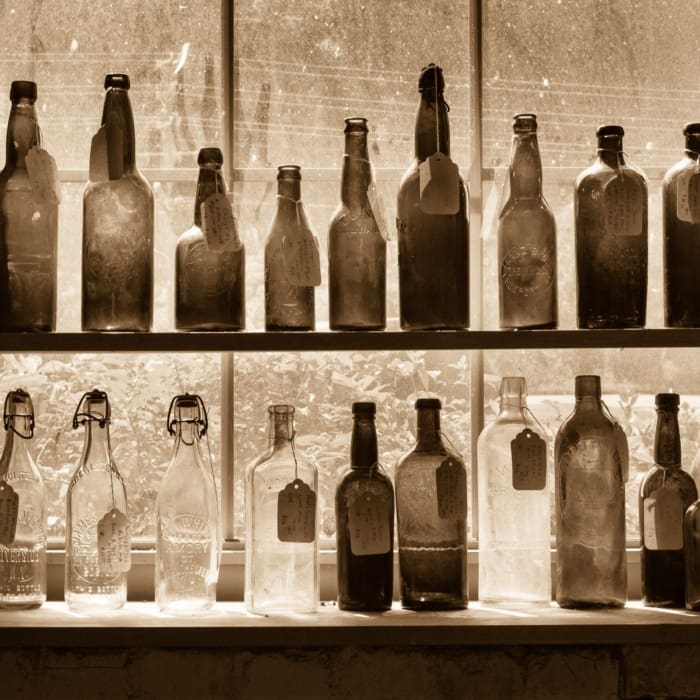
202, 420
7, 414
80, 418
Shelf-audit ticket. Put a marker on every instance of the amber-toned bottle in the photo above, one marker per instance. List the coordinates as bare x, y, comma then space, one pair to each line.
356, 248
433, 232
611, 206
691, 544
527, 238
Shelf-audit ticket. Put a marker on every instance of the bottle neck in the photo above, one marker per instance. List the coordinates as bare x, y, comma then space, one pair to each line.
117, 112
16, 447
281, 429
428, 430
97, 448
363, 444
610, 151
692, 145
667, 445
22, 133
512, 407
210, 182
428, 126
356, 172
289, 193
525, 167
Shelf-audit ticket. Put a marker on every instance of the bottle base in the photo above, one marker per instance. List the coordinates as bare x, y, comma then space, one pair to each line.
434, 603
529, 327
571, 604
93, 603
350, 327
604, 324
359, 607
271, 327
186, 608
210, 328
10, 604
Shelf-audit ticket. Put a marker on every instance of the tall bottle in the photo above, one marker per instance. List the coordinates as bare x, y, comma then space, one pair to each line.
527, 238
666, 492
22, 510
514, 561
431, 508
364, 517
356, 247
611, 205
98, 540
590, 456
187, 517
432, 221
210, 258
29, 223
281, 524
288, 306
117, 224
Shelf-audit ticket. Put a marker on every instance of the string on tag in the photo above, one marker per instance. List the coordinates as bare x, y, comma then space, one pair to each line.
294, 454
297, 204
524, 412
452, 445
437, 113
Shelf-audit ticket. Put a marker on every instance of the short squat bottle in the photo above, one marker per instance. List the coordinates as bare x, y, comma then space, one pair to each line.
364, 516
22, 510
527, 246
610, 203
356, 247
664, 495
187, 517
210, 270
431, 507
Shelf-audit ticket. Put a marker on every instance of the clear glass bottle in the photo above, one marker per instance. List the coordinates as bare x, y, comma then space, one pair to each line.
611, 210
28, 226
117, 224
364, 516
433, 248
281, 524
287, 306
590, 461
22, 539
356, 248
527, 238
514, 511
209, 281
187, 517
665, 493
431, 509
97, 532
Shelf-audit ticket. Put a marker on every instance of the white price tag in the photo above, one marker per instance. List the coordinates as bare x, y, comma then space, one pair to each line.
9, 509
107, 154
439, 185
114, 543
218, 224
529, 461
451, 483
377, 207
296, 513
301, 258
43, 175
624, 200
370, 525
663, 520
688, 195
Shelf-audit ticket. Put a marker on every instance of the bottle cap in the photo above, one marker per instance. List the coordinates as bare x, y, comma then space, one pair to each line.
587, 385
117, 80
19, 403
691, 128
668, 402
513, 386
187, 408
431, 404
210, 154
289, 172
97, 409
607, 130
23, 89
524, 123
356, 124
428, 76
279, 409
364, 408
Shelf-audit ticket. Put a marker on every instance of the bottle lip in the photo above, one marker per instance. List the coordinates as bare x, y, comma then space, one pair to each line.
210, 154
356, 125
431, 74
117, 80
691, 129
23, 89
524, 123
587, 385
279, 409
610, 130
514, 385
364, 408
667, 401
288, 172
430, 403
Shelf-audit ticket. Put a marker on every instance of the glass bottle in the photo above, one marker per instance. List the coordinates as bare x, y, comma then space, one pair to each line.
187, 517
665, 493
28, 226
356, 248
691, 552
431, 509
281, 524
287, 306
209, 280
610, 203
23, 513
364, 516
117, 224
527, 238
590, 461
98, 540
433, 247
514, 561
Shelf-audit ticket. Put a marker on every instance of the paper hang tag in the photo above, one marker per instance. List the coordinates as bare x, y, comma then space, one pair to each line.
107, 154
528, 453
369, 523
624, 201
622, 450
114, 543
663, 520
688, 195
296, 513
218, 224
301, 258
377, 207
9, 509
439, 185
43, 176
451, 483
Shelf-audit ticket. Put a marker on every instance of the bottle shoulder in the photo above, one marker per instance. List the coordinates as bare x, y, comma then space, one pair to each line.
675, 478
676, 169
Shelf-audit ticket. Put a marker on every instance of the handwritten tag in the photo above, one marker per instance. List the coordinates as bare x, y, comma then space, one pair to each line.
114, 543
107, 154
218, 224
301, 258
622, 450
624, 200
9, 509
688, 195
439, 185
370, 525
43, 175
296, 513
377, 206
451, 483
528, 453
663, 520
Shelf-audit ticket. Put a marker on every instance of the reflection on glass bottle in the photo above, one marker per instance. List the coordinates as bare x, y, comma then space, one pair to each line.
281, 524
210, 275
28, 226
287, 307
664, 495
364, 516
98, 540
22, 510
514, 519
356, 248
117, 224
527, 246
433, 247
431, 508
187, 517
590, 459
610, 203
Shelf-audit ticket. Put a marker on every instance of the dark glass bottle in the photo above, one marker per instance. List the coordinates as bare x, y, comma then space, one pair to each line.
364, 516
433, 248
209, 280
664, 495
590, 473
611, 209
527, 238
117, 224
691, 545
287, 307
431, 492
28, 226
356, 248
